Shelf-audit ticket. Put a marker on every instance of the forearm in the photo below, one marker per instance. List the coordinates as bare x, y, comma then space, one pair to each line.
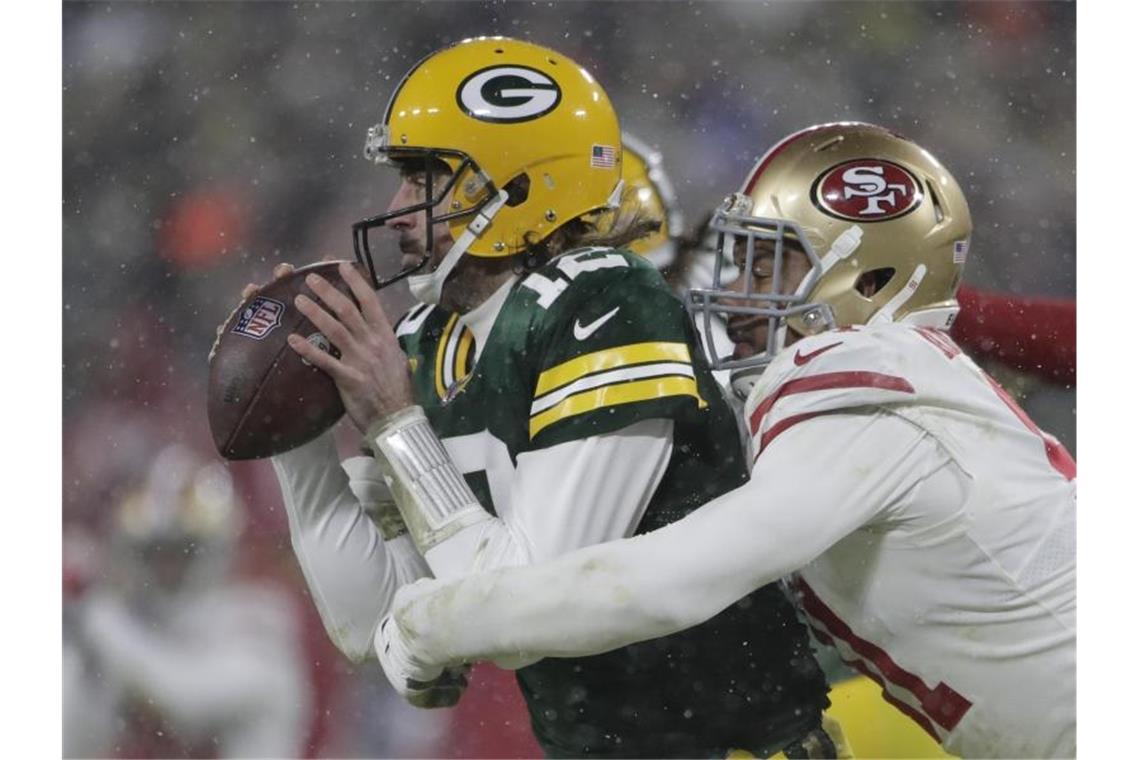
352, 573
592, 600
606, 596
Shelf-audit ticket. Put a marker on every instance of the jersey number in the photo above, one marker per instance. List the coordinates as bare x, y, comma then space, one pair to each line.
571, 266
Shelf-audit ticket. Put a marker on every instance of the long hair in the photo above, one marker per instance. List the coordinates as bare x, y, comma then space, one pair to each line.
607, 229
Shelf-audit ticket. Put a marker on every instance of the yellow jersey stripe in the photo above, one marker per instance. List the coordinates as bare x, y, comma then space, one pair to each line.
463, 354
615, 395
635, 353
610, 377
441, 352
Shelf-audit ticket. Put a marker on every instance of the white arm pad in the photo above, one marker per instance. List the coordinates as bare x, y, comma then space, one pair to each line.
610, 595
434, 499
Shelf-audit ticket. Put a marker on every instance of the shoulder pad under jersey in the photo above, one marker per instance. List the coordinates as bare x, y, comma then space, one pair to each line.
834, 371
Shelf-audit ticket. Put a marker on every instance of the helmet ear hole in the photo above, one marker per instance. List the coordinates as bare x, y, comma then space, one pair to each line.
873, 281
518, 190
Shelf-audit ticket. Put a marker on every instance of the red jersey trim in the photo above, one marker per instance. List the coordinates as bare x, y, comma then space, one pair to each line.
780, 427
1059, 457
922, 721
939, 340
942, 704
827, 381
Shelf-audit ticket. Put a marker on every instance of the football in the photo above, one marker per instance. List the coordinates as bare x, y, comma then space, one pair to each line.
263, 398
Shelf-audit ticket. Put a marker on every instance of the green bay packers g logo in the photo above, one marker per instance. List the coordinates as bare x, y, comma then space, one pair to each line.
507, 94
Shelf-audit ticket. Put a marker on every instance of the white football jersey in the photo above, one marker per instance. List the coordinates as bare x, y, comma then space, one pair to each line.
931, 522
220, 668
957, 590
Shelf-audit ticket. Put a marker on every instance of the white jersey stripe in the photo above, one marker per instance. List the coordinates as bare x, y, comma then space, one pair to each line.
542, 403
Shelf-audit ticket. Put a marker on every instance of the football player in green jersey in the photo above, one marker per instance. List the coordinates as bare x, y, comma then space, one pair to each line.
548, 394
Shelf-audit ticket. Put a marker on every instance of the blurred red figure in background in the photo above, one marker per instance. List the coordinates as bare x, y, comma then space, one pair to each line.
203, 226
1035, 335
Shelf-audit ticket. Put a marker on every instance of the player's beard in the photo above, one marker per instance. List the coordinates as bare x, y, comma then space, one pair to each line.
412, 251
411, 255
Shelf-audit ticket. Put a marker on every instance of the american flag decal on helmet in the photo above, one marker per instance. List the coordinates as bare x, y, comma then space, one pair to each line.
603, 157
961, 248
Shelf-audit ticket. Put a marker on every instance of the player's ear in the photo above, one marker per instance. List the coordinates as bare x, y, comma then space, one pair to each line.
873, 281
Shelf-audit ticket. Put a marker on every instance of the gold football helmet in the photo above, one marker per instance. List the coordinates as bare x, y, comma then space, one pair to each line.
865, 205
649, 191
530, 140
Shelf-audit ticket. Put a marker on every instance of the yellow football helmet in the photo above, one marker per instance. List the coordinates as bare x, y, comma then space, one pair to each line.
649, 191
864, 204
529, 136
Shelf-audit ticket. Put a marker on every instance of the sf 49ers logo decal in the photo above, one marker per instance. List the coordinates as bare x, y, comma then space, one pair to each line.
867, 190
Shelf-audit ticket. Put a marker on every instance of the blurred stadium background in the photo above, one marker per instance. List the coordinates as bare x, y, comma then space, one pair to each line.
204, 142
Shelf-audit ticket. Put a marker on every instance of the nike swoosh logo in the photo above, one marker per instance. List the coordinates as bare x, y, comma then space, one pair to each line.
581, 332
802, 359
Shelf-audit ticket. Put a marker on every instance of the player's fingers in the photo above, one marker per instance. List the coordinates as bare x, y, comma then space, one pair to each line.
315, 356
249, 291
337, 302
284, 269
368, 298
336, 332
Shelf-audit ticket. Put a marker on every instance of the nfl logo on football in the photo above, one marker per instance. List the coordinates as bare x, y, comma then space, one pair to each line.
259, 318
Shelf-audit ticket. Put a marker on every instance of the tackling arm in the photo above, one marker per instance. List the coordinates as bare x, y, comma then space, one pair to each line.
606, 596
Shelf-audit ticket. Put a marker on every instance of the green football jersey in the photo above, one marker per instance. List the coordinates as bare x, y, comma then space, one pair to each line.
589, 344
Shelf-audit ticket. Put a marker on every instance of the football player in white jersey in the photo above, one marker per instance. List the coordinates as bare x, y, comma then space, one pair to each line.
931, 523
172, 655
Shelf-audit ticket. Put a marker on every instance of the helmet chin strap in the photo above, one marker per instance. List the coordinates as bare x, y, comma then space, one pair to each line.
428, 288
614, 201
940, 318
888, 310
845, 245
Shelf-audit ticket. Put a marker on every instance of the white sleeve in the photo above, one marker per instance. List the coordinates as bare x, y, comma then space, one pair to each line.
352, 573
238, 688
565, 497
821, 480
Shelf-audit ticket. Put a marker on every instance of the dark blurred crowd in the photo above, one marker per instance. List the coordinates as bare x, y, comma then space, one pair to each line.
204, 142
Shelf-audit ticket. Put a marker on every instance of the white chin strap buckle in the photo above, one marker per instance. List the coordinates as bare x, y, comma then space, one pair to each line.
428, 288
614, 200
891, 307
